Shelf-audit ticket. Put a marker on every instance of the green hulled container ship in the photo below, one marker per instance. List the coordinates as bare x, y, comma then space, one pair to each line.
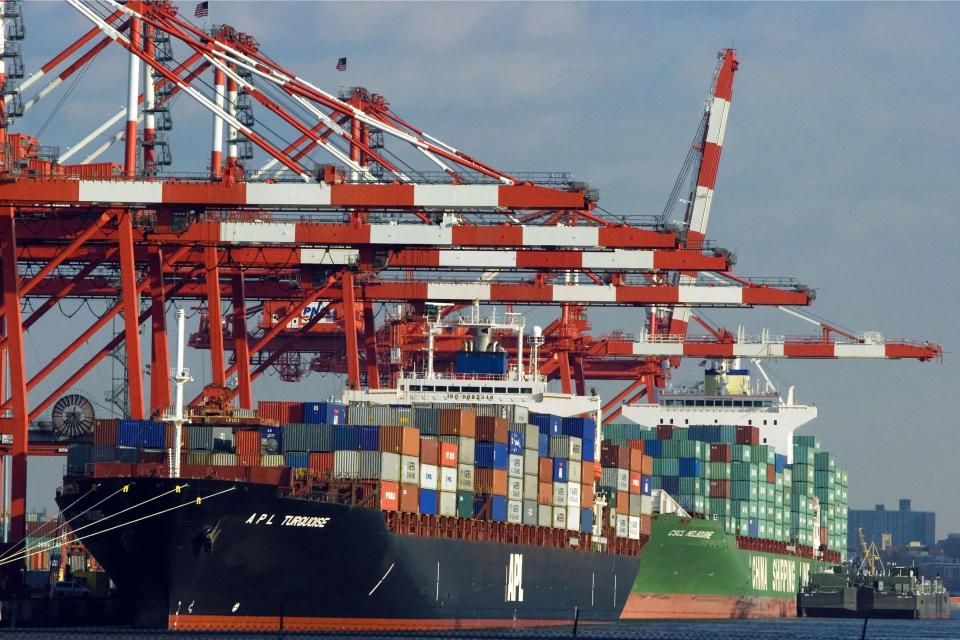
744, 509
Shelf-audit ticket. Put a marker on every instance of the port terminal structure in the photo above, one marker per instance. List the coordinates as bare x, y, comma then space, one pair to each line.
318, 208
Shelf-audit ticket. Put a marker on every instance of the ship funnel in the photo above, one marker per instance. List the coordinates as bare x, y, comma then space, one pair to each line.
481, 341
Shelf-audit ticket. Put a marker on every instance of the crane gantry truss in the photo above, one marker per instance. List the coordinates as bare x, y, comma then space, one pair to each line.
340, 218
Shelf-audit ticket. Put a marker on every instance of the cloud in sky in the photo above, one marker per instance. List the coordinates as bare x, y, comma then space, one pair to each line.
839, 166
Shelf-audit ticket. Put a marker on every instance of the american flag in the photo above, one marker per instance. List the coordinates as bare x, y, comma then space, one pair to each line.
202, 10
342, 64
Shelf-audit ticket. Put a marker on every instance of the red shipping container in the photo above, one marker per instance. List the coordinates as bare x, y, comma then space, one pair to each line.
623, 458
282, 412
457, 422
647, 468
635, 444
623, 501
248, 459
546, 470
153, 457
586, 495
247, 442
492, 429
609, 454
664, 432
391, 439
448, 454
719, 488
636, 459
429, 451
389, 496
492, 481
823, 535
409, 498
771, 474
635, 482
274, 476
748, 435
168, 437
105, 432
545, 493
321, 463
721, 453
644, 525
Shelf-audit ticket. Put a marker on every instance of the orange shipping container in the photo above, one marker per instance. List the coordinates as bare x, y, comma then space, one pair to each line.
546, 469
448, 454
391, 439
389, 496
636, 460
429, 451
623, 501
457, 422
647, 468
105, 431
492, 481
545, 493
491, 429
644, 525
586, 496
411, 441
635, 483
409, 498
249, 459
168, 437
636, 444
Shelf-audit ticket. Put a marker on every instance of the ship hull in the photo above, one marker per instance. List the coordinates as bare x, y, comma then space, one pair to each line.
246, 558
691, 569
864, 602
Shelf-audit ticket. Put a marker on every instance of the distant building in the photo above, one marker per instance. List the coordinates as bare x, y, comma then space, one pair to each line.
892, 528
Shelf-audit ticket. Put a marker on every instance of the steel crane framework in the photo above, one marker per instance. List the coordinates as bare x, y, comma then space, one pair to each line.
355, 210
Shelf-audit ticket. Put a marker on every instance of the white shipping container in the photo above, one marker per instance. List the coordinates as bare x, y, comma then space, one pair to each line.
573, 495
576, 448
346, 464
560, 494
623, 480
634, 532
390, 467
224, 459
466, 450
573, 518
515, 466
623, 526
545, 516
448, 479
531, 438
465, 477
531, 486
448, 503
575, 471
559, 517
531, 462
515, 488
515, 511
429, 476
530, 512
410, 469
271, 461
521, 414
646, 505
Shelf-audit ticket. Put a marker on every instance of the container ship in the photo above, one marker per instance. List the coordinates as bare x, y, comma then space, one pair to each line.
449, 501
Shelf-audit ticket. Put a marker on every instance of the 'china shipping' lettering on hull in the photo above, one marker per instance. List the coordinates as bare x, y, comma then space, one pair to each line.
316, 522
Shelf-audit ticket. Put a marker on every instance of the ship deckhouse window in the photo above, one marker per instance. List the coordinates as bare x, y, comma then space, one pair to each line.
527, 390
764, 423
427, 388
414, 387
738, 403
727, 403
699, 403
749, 422
774, 422
671, 420
500, 390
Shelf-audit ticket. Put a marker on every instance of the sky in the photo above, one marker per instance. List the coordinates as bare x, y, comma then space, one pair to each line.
838, 166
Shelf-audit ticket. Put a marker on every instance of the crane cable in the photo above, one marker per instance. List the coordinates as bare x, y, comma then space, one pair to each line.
25, 553
66, 522
195, 501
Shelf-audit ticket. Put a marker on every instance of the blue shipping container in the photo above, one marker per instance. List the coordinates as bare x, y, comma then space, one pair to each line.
646, 485
543, 445
492, 362
753, 527
369, 438
489, 455
691, 467
271, 440
586, 520
300, 460
345, 438
587, 454
653, 448
130, 433
547, 423
560, 470
499, 508
516, 443
324, 413
670, 484
578, 427
428, 502
780, 462
154, 435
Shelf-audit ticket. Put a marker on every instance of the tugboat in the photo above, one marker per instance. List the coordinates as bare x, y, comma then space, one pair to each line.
868, 589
